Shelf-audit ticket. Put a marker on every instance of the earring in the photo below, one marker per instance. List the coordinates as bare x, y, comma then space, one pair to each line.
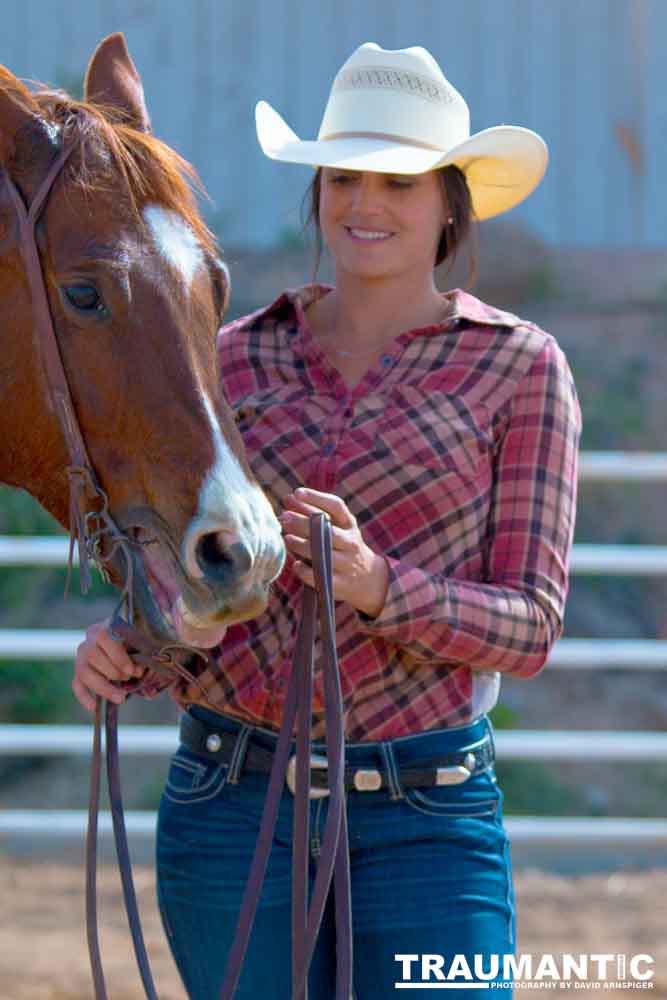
450, 219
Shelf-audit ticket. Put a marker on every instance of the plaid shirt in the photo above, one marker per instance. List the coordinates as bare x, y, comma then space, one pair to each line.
457, 453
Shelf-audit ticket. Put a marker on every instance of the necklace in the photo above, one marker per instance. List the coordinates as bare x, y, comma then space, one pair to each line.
373, 350
350, 354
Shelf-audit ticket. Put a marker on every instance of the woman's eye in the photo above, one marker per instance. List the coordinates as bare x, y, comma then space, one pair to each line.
85, 298
341, 178
393, 182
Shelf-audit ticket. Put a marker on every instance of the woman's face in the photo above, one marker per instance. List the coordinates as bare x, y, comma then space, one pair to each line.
381, 225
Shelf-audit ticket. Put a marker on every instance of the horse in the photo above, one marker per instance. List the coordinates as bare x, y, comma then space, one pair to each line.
136, 292
111, 294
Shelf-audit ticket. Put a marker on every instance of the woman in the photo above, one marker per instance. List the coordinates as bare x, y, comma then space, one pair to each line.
441, 435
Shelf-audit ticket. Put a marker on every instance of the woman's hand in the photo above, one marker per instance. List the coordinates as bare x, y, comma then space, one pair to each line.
360, 576
101, 660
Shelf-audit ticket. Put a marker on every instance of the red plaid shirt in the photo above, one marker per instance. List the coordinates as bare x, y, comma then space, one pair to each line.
457, 453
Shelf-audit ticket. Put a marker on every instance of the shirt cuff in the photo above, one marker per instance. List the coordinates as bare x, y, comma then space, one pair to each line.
150, 685
408, 607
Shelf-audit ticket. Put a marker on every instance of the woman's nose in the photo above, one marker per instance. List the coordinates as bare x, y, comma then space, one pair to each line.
365, 194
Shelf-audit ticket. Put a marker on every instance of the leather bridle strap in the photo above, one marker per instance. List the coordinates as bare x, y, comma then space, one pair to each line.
335, 849
85, 494
86, 491
83, 485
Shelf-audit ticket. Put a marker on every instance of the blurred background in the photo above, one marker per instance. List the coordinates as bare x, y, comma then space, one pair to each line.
585, 257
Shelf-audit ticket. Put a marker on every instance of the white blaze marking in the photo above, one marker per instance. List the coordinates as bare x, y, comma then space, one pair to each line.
229, 500
175, 240
227, 468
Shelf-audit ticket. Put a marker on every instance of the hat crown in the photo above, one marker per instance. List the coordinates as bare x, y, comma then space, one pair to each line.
395, 92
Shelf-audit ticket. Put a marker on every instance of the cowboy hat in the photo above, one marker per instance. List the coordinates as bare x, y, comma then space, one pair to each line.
394, 111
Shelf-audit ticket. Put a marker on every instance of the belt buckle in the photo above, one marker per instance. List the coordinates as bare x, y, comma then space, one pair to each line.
318, 762
457, 774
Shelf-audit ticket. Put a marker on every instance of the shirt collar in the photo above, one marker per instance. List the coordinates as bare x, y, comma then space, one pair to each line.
466, 307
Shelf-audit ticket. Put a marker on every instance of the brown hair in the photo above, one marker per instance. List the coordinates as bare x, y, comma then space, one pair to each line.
149, 168
458, 201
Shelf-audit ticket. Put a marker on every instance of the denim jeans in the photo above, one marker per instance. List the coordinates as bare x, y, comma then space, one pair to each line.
430, 872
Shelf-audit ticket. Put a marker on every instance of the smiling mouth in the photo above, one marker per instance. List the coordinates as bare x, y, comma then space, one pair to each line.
369, 235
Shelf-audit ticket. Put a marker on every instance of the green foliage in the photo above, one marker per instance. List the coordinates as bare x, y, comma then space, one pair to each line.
20, 514
615, 413
503, 717
150, 794
35, 692
32, 691
531, 789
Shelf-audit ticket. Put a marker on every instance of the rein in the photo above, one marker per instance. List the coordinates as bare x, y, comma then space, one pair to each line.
99, 539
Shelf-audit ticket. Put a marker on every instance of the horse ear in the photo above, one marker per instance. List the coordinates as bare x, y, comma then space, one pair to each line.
16, 111
112, 78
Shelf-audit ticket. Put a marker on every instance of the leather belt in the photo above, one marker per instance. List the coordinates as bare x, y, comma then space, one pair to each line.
448, 769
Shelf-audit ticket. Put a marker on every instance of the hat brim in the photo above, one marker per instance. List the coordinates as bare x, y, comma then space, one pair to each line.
502, 164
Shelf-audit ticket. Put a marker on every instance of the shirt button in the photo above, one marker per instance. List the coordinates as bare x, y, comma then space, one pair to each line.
281, 682
386, 359
329, 448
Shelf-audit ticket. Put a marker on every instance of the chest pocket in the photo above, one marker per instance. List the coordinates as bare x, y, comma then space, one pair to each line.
431, 436
278, 437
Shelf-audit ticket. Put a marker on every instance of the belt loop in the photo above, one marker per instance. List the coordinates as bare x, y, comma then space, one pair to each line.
395, 787
489, 726
238, 754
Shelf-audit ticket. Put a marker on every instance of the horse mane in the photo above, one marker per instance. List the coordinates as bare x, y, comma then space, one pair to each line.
151, 170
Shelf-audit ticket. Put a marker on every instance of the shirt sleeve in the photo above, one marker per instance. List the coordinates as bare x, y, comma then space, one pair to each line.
149, 685
510, 621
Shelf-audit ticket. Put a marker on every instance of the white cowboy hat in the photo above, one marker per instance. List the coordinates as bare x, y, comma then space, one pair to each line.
394, 111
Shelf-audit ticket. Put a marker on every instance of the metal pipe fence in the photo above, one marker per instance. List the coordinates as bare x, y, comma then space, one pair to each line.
635, 654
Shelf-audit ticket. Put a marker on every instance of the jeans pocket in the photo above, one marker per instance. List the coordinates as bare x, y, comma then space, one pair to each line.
192, 779
478, 796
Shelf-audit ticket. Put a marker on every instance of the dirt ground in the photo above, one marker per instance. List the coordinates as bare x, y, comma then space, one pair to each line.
43, 953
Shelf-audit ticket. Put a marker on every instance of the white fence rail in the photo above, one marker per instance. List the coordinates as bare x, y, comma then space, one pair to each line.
511, 744
640, 560
47, 740
561, 832
630, 654
636, 654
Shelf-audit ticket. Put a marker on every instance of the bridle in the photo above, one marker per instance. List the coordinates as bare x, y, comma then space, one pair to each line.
99, 540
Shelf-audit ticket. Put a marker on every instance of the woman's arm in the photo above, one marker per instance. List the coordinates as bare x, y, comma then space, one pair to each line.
511, 622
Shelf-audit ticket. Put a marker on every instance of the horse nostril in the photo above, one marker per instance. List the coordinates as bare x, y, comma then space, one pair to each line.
221, 561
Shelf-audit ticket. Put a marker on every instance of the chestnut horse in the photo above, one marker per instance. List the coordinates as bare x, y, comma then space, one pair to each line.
136, 293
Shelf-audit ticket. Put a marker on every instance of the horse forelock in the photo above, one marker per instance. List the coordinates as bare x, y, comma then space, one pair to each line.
150, 171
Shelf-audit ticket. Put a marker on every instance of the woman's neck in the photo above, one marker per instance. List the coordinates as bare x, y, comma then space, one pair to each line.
358, 312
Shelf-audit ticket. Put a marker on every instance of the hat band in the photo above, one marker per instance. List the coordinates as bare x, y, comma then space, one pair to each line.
394, 78
385, 136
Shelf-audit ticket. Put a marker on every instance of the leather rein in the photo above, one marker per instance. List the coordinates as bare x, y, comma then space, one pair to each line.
99, 540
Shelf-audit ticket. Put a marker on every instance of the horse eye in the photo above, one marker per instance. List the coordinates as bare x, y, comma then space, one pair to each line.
85, 298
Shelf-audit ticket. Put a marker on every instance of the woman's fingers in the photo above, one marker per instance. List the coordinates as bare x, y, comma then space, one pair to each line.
116, 654
333, 505
95, 682
101, 662
299, 524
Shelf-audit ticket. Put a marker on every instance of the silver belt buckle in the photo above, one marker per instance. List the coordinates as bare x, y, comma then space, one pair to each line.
457, 774
318, 762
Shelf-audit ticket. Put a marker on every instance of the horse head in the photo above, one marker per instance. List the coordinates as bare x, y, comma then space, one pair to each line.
136, 292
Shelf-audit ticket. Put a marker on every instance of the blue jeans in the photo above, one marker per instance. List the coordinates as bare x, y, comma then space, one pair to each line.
430, 872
